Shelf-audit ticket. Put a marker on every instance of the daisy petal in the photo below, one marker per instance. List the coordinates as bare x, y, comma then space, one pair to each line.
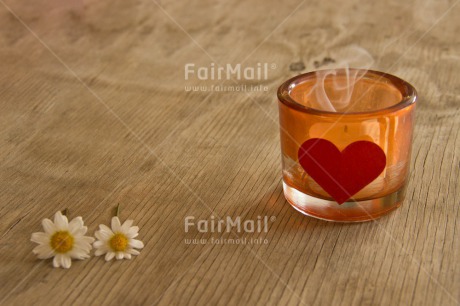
61, 221
76, 222
133, 251
57, 261
105, 228
41, 238
66, 261
126, 225
131, 236
127, 256
78, 253
43, 251
48, 226
116, 224
83, 246
109, 256
76, 227
119, 255
86, 239
132, 232
62, 259
103, 235
98, 244
81, 231
136, 243
100, 252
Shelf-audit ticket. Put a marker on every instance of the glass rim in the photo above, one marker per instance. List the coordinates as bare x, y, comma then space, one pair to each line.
407, 91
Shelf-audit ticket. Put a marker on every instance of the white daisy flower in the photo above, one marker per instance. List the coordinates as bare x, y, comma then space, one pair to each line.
62, 240
119, 241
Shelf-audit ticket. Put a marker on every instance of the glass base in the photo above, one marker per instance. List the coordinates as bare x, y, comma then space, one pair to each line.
358, 211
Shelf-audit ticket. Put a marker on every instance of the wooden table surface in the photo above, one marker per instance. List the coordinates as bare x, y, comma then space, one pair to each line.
94, 112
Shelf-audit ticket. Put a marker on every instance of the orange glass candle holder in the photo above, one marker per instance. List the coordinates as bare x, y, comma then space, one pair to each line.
346, 140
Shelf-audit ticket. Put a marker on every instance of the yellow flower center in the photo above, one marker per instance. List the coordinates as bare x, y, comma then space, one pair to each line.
62, 242
118, 242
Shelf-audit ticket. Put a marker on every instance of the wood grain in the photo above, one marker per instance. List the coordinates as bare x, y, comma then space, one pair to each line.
94, 113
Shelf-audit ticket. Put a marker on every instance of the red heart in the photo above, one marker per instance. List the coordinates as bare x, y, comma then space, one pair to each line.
341, 174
